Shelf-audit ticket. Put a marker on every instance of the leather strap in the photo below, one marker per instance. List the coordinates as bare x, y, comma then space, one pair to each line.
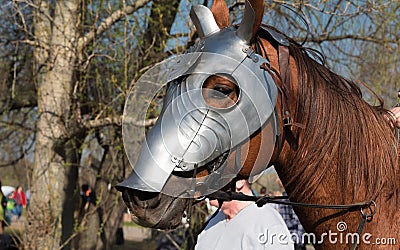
284, 68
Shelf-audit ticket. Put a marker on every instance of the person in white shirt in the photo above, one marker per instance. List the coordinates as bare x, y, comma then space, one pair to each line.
243, 225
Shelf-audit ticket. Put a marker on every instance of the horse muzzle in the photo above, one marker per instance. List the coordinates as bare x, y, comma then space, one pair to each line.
154, 210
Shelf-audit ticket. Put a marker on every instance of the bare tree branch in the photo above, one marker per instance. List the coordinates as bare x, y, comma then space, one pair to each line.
329, 38
108, 22
32, 43
117, 121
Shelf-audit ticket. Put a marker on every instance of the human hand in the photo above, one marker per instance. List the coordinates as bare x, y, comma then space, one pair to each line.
396, 116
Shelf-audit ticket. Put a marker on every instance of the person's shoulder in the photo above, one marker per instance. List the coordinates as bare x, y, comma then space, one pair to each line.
259, 224
263, 209
258, 214
212, 233
219, 218
264, 215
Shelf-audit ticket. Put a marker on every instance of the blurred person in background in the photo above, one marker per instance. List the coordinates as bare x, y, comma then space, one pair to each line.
3, 206
20, 201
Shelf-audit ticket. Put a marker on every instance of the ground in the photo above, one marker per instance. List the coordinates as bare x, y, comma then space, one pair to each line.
135, 237
135, 245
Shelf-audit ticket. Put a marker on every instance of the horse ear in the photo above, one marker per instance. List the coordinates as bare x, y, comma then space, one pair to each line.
258, 7
220, 12
251, 20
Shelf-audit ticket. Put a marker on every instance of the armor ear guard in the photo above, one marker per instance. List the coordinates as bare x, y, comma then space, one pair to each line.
205, 23
203, 20
245, 30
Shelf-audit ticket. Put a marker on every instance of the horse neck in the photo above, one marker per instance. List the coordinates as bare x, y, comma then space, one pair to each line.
322, 168
335, 164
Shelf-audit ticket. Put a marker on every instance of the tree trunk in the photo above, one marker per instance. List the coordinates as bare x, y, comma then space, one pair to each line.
102, 171
54, 64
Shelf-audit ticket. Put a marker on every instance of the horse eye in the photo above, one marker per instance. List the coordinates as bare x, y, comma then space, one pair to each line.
221, 92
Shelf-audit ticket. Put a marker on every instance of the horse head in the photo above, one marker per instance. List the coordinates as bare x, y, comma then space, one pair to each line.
217, 119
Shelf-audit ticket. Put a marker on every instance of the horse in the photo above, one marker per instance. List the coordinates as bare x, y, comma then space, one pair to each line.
333, 148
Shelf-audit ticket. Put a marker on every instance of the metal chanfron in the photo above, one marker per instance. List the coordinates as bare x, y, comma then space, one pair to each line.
190, 133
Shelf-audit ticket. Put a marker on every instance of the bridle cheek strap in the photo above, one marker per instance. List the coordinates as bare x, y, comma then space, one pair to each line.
282, 82
287, 120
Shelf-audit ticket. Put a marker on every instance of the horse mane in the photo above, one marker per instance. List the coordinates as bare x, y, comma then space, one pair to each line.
343, 135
